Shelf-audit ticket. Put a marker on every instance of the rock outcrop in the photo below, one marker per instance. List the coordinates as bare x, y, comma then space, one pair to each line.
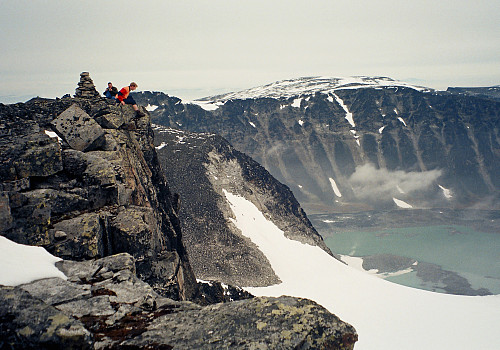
103, 305
76, 180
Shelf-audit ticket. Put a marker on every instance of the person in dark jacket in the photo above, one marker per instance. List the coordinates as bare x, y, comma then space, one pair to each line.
110, 91
124, 97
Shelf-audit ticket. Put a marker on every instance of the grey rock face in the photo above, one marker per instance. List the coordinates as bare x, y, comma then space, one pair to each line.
199, 167
431, 138
259, 323
103, 305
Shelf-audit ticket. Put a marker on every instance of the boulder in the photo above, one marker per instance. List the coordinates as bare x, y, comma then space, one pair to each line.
83, 237
258, 323
77, 128
29, 323
110, 120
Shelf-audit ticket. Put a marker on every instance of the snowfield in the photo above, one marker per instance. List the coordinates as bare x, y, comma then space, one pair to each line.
308, 86
385, 315
21, 263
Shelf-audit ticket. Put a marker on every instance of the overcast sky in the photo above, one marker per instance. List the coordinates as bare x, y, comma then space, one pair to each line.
198, 48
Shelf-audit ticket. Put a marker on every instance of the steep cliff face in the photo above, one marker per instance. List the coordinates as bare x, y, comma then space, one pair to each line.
200, 167
360, 145
78, 182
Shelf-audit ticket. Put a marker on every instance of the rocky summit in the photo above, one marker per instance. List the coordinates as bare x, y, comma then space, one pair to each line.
81, 178
360, 143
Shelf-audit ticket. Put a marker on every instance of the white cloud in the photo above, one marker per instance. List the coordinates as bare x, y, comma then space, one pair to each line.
371, 183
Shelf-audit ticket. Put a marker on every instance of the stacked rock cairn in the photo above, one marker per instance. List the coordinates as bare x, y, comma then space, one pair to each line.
86, 88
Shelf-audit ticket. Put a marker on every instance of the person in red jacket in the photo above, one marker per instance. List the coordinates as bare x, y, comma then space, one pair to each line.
123, 97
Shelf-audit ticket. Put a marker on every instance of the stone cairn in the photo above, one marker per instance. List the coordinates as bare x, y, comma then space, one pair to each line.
86, 88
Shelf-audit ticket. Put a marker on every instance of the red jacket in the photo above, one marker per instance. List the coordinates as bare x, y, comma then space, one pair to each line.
123, 93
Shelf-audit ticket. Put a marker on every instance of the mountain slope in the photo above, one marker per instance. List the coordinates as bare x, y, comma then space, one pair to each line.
374, 143
199, 168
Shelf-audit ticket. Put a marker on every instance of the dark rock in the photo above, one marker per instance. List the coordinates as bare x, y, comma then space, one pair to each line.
78, 129
270, 323
26, 322
82, 237
59, 235
103, 305
199, 167
5, 215
33, 154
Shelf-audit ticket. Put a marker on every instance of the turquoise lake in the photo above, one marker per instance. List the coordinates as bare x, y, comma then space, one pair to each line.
471, 254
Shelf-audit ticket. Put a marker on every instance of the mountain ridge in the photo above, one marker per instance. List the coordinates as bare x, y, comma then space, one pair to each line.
318, 144
284, 89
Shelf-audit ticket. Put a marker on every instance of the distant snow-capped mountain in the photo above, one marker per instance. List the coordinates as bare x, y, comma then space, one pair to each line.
310, 85
359, 143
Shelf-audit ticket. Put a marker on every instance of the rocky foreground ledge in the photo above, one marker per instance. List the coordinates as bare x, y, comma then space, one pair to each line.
103, 305
80, 177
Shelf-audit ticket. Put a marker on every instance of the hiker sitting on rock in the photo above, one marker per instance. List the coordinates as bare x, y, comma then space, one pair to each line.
124, 98
110, 91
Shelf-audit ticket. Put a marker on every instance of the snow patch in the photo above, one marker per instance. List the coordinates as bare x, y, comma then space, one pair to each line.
357, 263
151, 108
208, 105
381, 129
312, 85
348, 115
252, 124
401, 204
163, 144
446, 192
53, 135
301, 122
334, 187
296, 102
402, 121
21, 263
